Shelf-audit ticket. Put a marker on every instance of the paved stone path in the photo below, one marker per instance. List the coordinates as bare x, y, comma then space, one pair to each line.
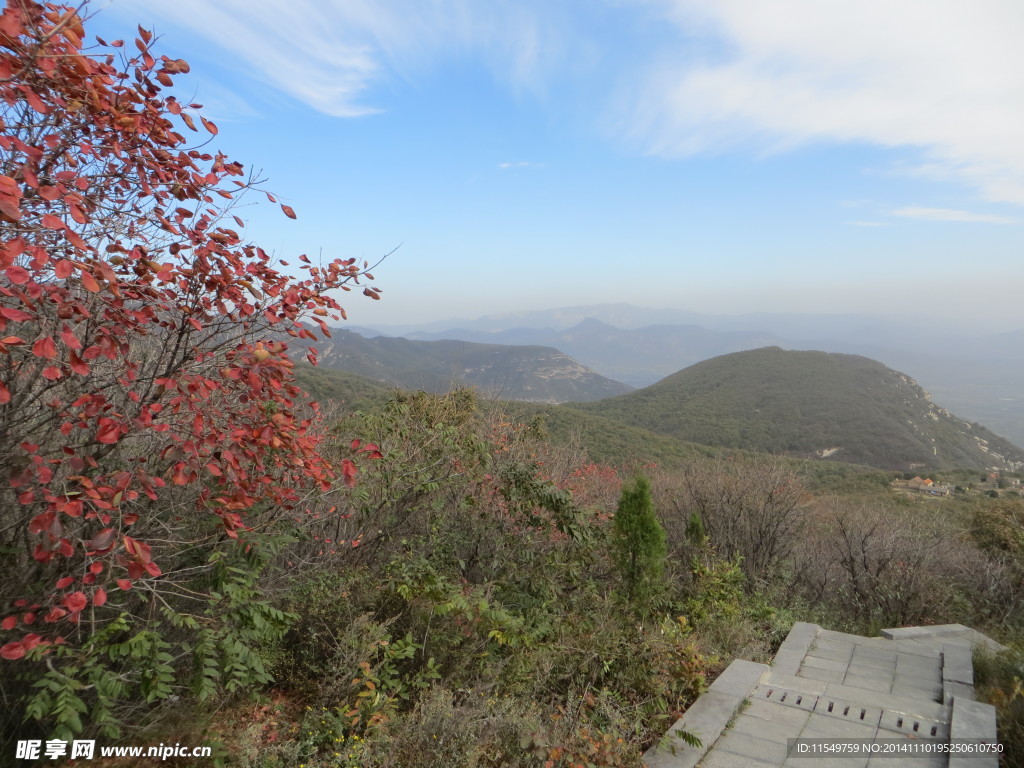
910, 685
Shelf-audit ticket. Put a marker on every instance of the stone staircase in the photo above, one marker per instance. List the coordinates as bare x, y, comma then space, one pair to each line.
911, 690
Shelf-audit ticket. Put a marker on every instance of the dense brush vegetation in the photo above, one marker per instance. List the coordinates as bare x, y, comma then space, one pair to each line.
474, 600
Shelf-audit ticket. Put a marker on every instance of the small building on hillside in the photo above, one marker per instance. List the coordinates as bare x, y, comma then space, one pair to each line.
926, 486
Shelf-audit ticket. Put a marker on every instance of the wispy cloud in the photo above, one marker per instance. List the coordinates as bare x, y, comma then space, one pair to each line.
950, 214
922, 74
520, 164
328, 53
693, 76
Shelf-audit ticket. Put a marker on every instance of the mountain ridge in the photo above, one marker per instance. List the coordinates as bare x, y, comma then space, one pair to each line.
810, 404
530, 373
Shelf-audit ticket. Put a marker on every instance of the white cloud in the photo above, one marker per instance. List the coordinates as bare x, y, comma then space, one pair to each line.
949, 214
943, 76
520, 164
328, 53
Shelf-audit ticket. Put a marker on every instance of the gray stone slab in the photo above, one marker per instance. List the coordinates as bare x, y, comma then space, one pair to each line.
842, 637
923, 694
794, 682
787, 662
831, 649
957, 665
820, 663
874, 657
910, 679
973, 720
753, 748
706, 719
864, 670
823, 727
913, 726
930, 647
951, 691
914, 665
851, 711
721, 758
917, 761
901, 633
788, 720
894, 686
739, 678
924, 708
800, 637
824, 761
761, 728
784, 697
924, 646
824, 675
868, 683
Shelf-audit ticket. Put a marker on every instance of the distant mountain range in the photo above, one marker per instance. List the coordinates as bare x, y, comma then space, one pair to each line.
637, 356
533, 373
976, 375
810, 404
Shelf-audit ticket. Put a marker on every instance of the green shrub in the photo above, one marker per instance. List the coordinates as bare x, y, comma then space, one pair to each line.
639, 545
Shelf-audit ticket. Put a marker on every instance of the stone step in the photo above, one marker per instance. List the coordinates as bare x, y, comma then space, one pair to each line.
911, 683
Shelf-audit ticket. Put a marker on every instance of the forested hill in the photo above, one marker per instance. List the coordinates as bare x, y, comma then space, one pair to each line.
844, 407
529, 373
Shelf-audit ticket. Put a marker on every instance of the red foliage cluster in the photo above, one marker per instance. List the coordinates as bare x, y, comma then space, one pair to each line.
130, 313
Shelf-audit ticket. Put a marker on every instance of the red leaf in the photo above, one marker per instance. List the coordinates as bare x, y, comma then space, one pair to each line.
89, 282
78, 365
209, 126
109, 432
288, 211
18, 275
15, 314
10, 193
76, 602
44, 348
5, 394
9, 623
101, 542
68, 337
349, 470
99, 597
124, 584
66, 582
49, 221
63, 269
12, 651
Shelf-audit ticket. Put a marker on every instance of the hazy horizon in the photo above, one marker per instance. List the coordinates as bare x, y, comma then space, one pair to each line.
722, 157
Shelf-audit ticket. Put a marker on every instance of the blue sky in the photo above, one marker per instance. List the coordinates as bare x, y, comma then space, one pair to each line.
715, 155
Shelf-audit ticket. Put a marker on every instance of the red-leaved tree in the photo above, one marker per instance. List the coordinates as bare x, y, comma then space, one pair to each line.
145, 389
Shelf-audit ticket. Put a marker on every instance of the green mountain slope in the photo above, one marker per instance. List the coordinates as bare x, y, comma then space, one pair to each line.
604, 439
529, 373
810, 404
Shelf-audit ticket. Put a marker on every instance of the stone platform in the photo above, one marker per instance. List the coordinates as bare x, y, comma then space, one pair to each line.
912, 685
